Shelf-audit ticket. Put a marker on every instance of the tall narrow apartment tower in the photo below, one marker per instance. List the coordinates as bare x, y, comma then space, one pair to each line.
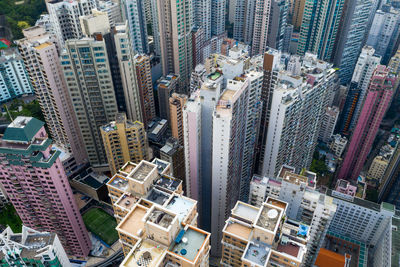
33, 176
376, 102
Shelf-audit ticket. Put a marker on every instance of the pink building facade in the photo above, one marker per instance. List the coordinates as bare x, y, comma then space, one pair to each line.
376, 103
35, 181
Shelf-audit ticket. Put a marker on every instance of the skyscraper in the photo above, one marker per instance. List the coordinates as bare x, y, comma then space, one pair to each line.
353, 31
88, 76
145, 87
14, 79
328, 123
64, 17
166, 86
176, 104
37, 185
134, 13
320, 24
174, 25
220, 132
385, 32
124, 141
125, 57
295, 116
218, 8
376, 102
39, 52
202, 16
298, 10
357, 91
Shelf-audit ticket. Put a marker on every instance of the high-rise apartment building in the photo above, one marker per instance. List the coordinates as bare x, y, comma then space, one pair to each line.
328, 123
377, 100
14, 79
389, 190
157, 224
331, 214
338, 144
176, 104
31, 248
174, 25
357, 89
166, 87
128, 73
298, 10
88, 77
353, 32
384, 32
262, 236
124, 141
202, 16
35, 181
218, 8
277, 25
39, 51
302, 92
64, 17
134, 13
319, 27
174, 153
220, 132
145, 86
113, 11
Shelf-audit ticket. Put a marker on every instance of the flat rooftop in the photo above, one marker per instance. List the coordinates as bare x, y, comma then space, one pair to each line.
245, 211
119, 183
147, 253
141, 171
191, 243
127, 201
269, 217
129, 166
277, 203
168, 183
289, 247
295, 178
161, 218
238, 229
133, 222
257, 252
161, 164
180, 206
157, 196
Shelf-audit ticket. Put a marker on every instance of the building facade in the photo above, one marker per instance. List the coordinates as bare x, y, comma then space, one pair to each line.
91, 91
124, 141
376, 103
176, 104
14, 79
35, 181
319, 27
328, 124
353, 33
39, 51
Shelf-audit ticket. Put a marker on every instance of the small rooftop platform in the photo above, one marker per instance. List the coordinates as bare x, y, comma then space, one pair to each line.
157, 196
127, 201
181, 206
193, 240
147, 253
168, 183
269, 218
133, 222
245, 211
142, 171
119, 183
257, 253
238, 229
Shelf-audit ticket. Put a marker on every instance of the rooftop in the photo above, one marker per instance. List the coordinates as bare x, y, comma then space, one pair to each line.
133, 222
128, 167
157, 196
142, 170
192, 241
290, 247
180, 206
269, 217
119, 183
147, 253
245, 211
168, 183
257, 252
127, 201
161, 218
22, 129
238, 229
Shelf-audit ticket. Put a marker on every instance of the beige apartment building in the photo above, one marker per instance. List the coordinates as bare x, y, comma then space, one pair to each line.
156, 223
124, 141
263, 236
